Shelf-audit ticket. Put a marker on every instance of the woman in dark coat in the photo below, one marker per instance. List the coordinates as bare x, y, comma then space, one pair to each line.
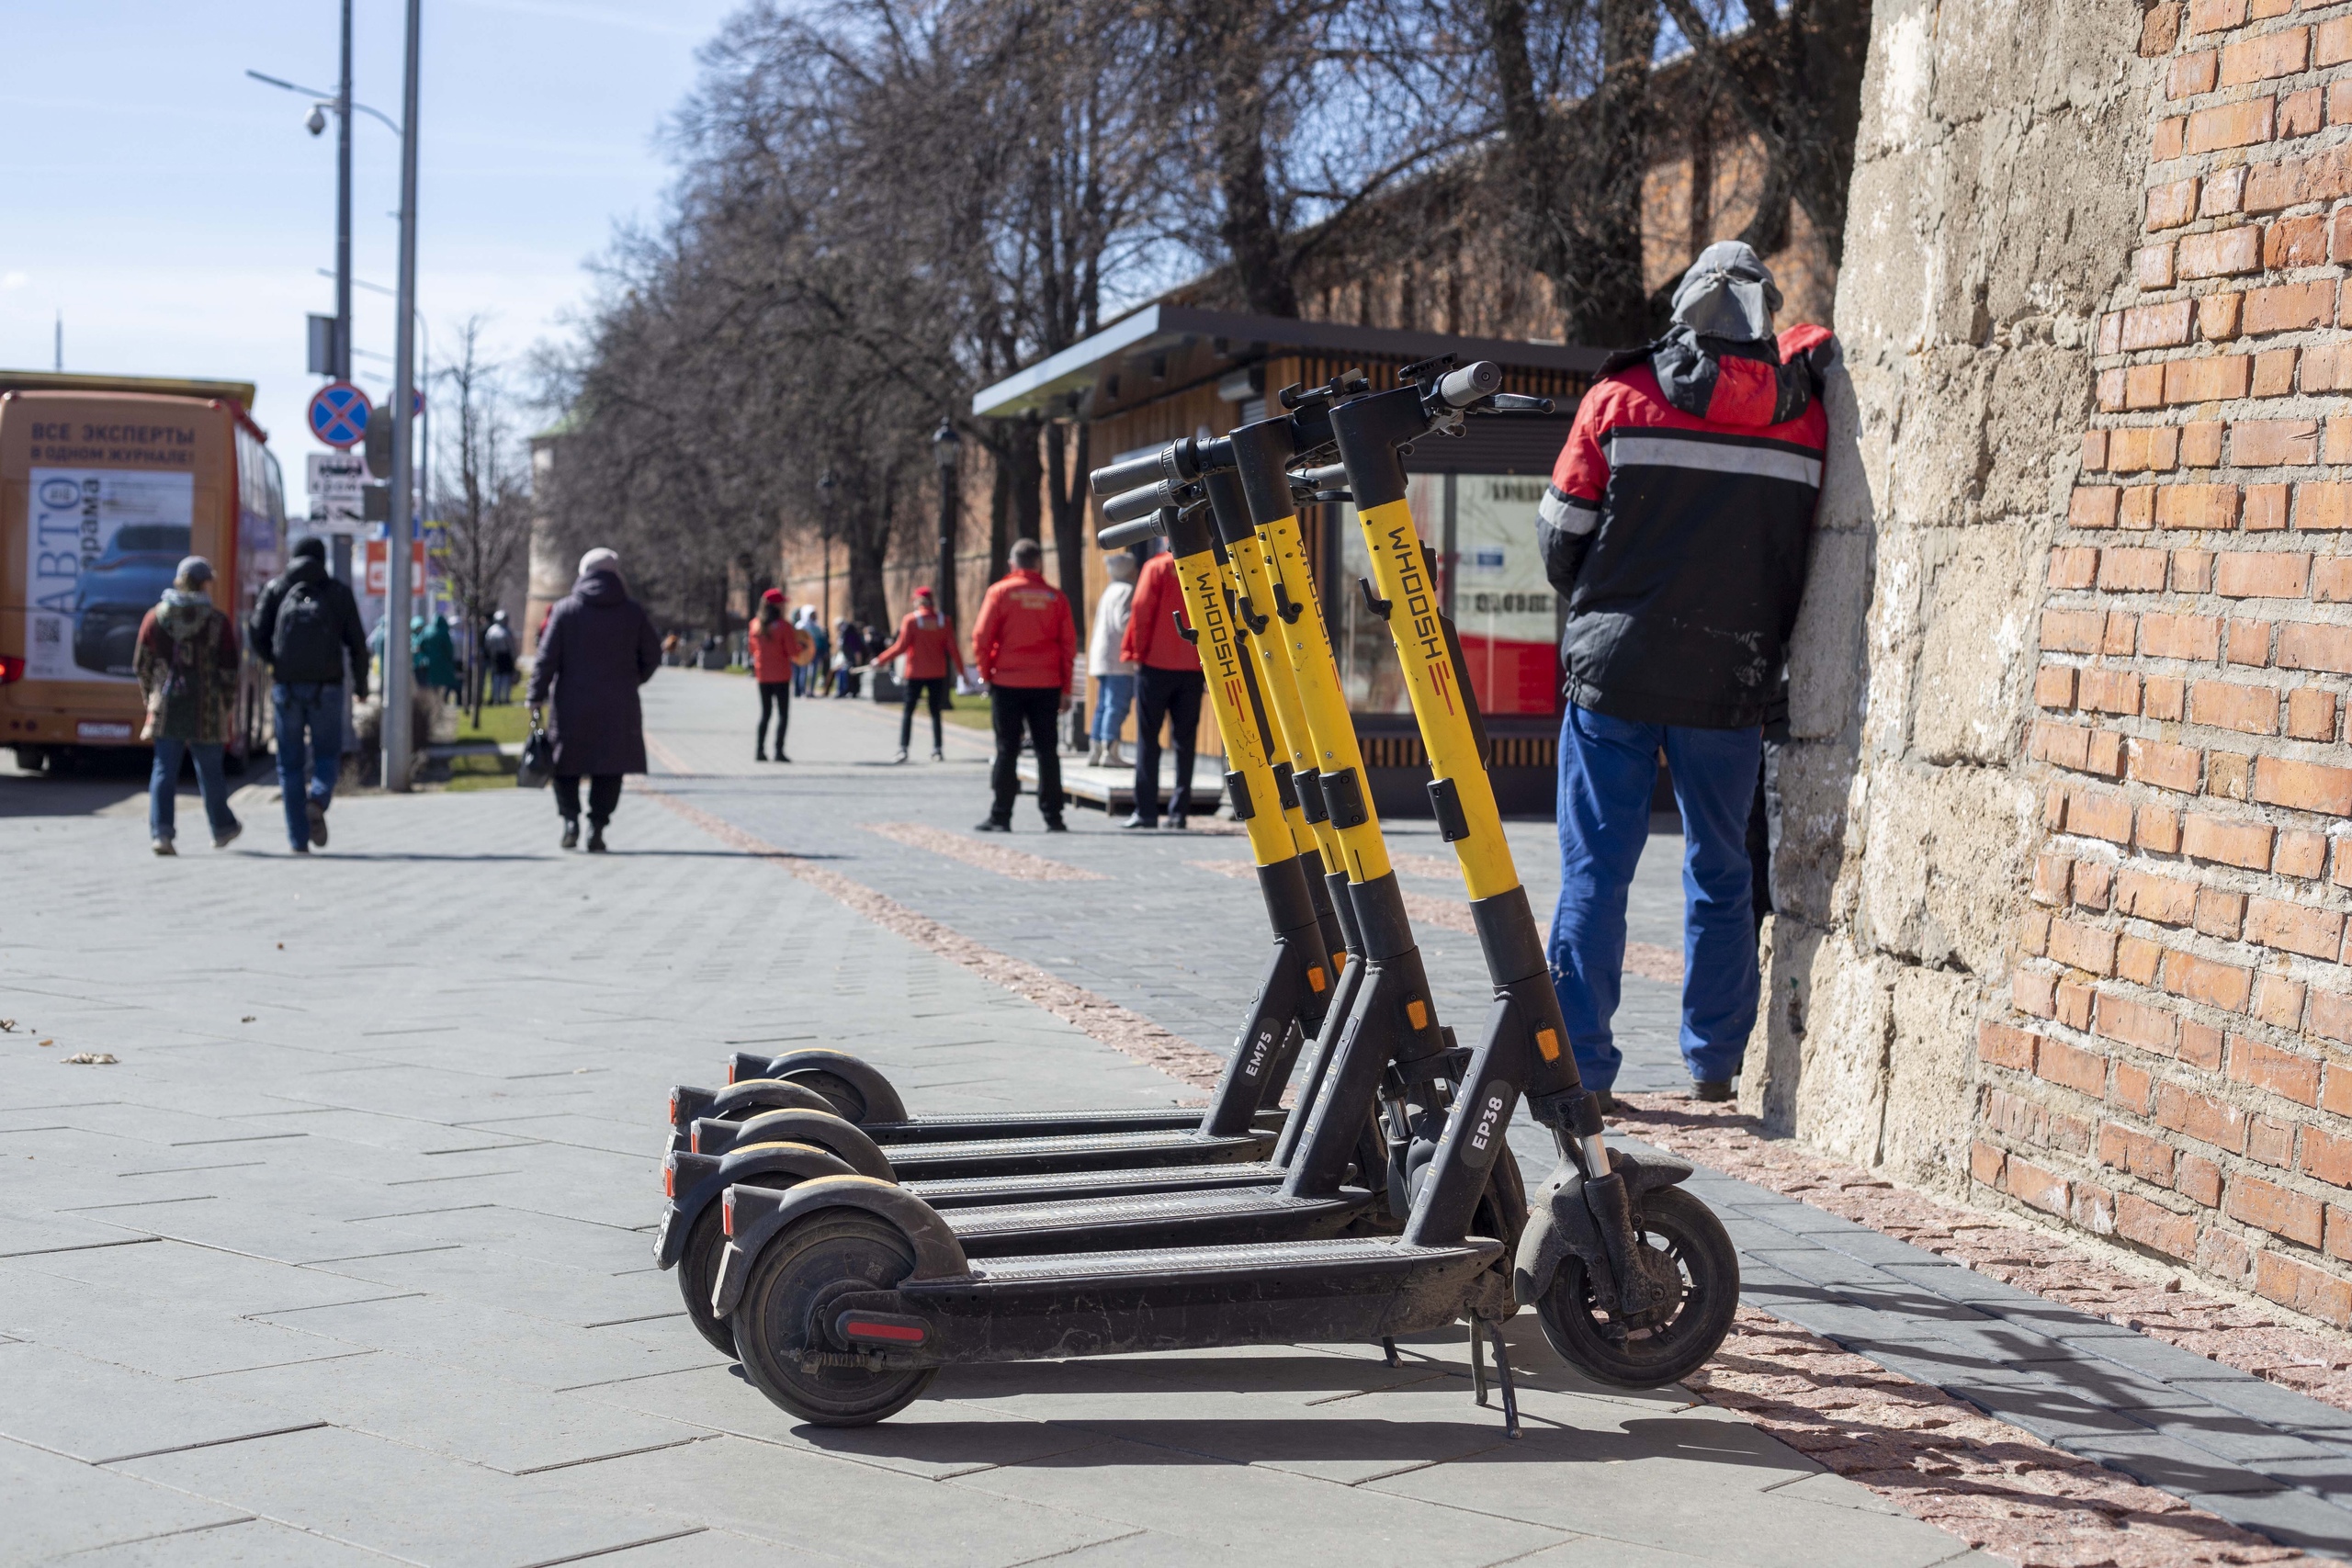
598, 648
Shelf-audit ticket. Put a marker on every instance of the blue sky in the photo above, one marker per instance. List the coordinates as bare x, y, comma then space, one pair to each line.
178, 214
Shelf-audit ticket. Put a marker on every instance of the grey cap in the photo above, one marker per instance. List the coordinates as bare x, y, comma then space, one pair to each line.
194, 569
1728, 293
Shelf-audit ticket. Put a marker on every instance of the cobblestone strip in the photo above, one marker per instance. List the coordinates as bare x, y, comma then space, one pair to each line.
1013, 864
2249, 1338
1129, 1033
1995, 1487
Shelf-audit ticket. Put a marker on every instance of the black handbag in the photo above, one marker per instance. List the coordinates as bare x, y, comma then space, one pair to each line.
537, 765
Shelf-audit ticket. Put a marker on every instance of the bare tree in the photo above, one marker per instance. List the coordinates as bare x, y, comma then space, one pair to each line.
485, 504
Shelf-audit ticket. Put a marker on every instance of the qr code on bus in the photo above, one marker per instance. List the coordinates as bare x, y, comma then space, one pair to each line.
49, 631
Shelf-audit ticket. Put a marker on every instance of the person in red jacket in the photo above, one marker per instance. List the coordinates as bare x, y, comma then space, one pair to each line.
1677, 527
927, 639
1168, 686
1024, 646
778, 648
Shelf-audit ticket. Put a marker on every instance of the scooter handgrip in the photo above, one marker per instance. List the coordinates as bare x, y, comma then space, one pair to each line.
1119, 536
1138, 503
1118, 478
1470, 383
1333, 477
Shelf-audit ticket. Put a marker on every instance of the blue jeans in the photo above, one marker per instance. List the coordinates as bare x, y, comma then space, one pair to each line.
162, 786
1608, 767
316, 708
1114, 695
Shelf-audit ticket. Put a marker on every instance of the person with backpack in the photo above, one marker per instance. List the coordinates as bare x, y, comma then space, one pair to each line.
306, 627
186, 663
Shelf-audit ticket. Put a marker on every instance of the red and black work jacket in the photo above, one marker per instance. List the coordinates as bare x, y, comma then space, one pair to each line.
1677, 522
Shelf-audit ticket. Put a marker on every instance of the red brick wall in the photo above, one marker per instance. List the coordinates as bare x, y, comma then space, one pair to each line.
2177, 1069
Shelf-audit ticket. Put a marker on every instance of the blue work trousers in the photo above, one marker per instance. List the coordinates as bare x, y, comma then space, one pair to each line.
1607, 768
163, 782
309, 741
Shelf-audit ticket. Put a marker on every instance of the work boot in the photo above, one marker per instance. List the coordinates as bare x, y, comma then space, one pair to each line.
318, 814
595, 839
570, 833
164, 847
993, 824
1714, 1089
223, 840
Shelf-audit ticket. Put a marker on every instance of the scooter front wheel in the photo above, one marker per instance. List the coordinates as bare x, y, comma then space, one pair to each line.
829, 1254
1692, 1264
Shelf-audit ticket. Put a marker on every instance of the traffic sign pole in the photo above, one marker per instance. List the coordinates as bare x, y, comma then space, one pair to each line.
399, 676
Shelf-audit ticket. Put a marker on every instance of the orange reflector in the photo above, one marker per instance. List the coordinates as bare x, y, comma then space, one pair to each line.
730, 1072
673, 1101
693, 1138
1418, 1012
1315, 980
726, 1212
668, 1178
1548, 1042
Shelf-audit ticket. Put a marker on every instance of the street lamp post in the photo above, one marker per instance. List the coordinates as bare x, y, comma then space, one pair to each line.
825, 541
343, 208
945, 447
398, 675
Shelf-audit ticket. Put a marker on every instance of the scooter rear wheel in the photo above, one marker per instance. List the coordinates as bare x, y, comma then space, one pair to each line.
830, 1254
698, 1271
1688, 1252
847, 1103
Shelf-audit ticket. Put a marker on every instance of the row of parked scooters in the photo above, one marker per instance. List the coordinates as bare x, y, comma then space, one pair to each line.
845, 1250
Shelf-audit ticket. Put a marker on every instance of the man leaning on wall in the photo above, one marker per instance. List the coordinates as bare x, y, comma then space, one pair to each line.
1677, 527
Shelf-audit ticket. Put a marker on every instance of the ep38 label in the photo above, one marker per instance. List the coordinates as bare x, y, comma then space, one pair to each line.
100, 547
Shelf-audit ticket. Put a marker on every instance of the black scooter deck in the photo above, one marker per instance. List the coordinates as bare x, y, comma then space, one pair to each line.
1089, 1151
1126, 1220
980, 1191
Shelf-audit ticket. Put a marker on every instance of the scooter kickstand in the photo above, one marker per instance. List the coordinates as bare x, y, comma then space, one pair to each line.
1511, 1394
1388, 1350
1477, 1362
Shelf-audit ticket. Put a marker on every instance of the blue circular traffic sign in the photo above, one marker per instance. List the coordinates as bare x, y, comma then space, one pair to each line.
339, 414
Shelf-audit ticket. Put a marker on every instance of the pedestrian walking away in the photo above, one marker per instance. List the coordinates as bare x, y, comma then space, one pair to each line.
926, 640
1676, 527
779, 651
1024, 645
187, 664
849, 655
1114, 677
307, 627
598, 648
1169, 689
498, 646
436, 659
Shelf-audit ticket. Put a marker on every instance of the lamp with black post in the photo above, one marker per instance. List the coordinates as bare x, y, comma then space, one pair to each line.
825, 543
947, 447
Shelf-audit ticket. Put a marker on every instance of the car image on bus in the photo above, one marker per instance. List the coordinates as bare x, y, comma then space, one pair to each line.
107, 482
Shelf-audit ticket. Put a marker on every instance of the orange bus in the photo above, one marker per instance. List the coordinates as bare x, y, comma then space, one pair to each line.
105, 482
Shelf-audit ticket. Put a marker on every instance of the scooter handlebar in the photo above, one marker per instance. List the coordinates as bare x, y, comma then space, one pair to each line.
1120, 535
1138, 503
1118, 479
1462, 388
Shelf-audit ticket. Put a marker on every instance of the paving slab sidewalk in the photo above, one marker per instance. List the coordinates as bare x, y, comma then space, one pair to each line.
347, 1259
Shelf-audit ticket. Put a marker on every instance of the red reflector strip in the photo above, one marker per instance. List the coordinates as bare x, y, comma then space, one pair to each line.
896, 1333
693, 1140
730, 1072
668, 1178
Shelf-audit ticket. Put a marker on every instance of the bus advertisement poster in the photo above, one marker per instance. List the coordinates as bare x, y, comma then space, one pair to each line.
103, 546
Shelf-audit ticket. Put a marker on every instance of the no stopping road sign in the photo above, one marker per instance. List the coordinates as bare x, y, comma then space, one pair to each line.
338, 414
